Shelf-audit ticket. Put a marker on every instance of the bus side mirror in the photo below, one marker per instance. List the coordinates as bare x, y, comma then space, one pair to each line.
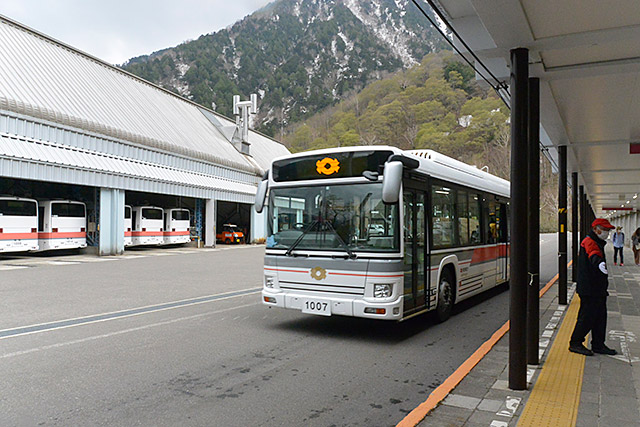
261, 194
391, 180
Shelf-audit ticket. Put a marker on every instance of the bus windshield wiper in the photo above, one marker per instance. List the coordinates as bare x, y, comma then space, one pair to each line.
344, 245
300, 237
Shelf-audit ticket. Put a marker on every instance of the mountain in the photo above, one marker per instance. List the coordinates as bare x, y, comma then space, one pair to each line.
300, 56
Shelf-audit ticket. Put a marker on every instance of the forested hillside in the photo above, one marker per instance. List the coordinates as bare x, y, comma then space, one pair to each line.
300, 56
436, 105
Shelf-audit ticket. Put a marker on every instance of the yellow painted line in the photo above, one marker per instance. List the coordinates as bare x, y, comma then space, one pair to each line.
555, 398
414, 417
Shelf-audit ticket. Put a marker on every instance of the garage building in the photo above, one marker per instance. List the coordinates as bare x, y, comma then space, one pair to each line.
73, 126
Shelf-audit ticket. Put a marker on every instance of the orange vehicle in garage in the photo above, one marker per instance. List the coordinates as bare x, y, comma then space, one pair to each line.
230, 234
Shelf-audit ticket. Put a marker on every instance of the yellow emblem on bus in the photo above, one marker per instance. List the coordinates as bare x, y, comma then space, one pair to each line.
327, 166
318, 273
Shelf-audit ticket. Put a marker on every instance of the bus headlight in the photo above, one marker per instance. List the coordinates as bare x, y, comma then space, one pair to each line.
269, 281
382, 290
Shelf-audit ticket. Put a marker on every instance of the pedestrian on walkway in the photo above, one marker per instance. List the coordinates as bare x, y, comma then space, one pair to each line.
635, 246
593, 281
618, 245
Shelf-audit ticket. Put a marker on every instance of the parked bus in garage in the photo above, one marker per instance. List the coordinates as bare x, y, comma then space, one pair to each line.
382, 233
177, 226
128, 240
61, 225
18, 224
147, 225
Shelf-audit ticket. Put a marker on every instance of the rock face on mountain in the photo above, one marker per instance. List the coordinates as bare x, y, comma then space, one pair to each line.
298, 55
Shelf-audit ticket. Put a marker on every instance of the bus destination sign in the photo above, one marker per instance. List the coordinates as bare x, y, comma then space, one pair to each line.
335, 165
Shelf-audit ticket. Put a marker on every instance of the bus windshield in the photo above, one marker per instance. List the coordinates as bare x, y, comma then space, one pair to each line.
349, 217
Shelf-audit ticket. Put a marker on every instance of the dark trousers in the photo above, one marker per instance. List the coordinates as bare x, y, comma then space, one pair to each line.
615, 255
592, 317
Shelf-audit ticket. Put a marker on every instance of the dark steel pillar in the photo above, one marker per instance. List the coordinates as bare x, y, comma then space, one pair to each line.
533, 236
562, 226
583, 212
519, 184
574, 226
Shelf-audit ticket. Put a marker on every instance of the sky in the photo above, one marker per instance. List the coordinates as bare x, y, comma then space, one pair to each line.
117, 30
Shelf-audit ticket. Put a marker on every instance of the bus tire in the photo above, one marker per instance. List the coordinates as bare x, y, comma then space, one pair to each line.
445, 296
227, 241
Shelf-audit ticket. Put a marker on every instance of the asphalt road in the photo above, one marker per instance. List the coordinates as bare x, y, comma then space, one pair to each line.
179, 337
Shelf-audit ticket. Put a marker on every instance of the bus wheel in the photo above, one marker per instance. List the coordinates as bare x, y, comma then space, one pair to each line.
227, 241
445, 297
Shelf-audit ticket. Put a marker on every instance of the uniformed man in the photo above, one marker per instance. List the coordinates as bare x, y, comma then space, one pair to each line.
592, 287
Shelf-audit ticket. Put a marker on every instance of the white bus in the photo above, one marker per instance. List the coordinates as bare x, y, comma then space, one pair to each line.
18, 224
128, 240
61, 225
147, 225
382, 233
177, 226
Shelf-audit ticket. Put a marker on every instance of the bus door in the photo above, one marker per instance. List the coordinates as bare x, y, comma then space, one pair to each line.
503, 239
490, 253
415, 248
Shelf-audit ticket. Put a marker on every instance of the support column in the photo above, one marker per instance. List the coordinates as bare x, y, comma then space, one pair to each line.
574, 226
583, 212
533, 237
111, 225
519, 181
562, 226
210, 223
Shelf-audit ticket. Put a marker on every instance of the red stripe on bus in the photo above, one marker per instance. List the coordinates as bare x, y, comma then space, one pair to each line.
62, 235
176, 233
146, 233
288, 271
14, 236
484, 254
127, 234
365, 275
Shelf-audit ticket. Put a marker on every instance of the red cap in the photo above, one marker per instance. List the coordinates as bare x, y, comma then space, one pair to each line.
602, 223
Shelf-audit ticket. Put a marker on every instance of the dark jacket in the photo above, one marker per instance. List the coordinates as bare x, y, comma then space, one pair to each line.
593, 277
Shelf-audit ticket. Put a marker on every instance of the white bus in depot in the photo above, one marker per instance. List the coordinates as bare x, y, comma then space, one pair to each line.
61, 225
128, 228
18, 224
177, 226
147, 222
381, 233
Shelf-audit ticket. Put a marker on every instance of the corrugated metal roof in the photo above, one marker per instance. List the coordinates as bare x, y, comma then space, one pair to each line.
72, 157
43, 78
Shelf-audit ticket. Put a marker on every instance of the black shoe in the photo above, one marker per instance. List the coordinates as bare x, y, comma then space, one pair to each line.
605, 350
580, 349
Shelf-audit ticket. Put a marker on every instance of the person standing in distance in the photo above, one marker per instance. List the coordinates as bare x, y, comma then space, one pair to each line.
593, 281
618, 246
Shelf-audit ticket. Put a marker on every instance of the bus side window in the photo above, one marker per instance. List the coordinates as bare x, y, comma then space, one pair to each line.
490, 226
443, 212
462, 210
134, 217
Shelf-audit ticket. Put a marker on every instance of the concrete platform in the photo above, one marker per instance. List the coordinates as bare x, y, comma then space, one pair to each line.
566, 389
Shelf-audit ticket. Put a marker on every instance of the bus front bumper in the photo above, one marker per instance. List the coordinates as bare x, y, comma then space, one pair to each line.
331, 305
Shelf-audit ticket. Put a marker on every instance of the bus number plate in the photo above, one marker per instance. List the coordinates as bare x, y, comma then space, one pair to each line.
314, 306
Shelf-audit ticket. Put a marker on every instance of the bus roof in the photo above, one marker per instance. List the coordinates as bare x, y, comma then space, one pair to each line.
431, 163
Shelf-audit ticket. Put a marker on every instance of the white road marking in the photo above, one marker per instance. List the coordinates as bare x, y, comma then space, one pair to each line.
125, 315
12, 267
125, 331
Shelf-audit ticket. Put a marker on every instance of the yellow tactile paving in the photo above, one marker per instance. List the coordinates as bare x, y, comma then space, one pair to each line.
556, 395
